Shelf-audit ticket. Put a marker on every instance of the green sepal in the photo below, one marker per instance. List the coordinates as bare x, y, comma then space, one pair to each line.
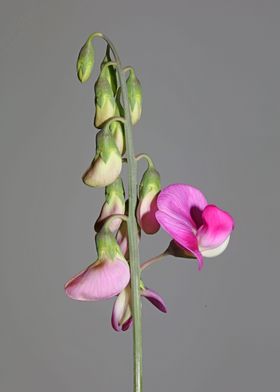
116, 189
103, 91
109, 71
85, 61
150, 182
141, 285
107, 246
105, 146
134, 90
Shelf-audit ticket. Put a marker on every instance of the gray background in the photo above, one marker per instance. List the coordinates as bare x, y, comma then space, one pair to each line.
210, 76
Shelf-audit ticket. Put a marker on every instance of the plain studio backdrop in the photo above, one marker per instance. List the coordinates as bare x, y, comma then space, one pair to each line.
211, 89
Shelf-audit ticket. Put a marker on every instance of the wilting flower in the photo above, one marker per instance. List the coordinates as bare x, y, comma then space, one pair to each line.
122, 315
201, 229
107, 163
147, 204
103, 279
114, 205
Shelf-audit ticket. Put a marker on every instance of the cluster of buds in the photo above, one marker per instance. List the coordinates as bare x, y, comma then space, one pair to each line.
109, 275
197, 229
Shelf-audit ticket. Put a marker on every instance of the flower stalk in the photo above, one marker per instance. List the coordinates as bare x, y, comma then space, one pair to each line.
131, 224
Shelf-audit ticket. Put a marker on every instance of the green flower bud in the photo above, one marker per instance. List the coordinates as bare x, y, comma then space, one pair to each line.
110, 72
114, 205
147, 204
85, 61
150, 182
104, 100
134, 96
107, 163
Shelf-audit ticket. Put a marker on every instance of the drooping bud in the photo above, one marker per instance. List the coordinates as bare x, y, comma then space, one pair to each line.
85, 61
106, 277
114, 204
105, 103
107, 163
147, 204
134, 96
109, 71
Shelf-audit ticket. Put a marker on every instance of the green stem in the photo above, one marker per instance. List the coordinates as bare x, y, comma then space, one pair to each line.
153, 260
147, 158
132, 224
128, 68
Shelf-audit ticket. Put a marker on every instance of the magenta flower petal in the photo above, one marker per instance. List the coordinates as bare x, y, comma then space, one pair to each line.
127, 324
146, 210
121, 314
101, 280
216, 228
183, 202
155, 299
182, 232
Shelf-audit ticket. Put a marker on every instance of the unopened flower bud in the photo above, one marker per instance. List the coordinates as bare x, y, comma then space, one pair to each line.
114, 205
107, 163
147, 204
134, 97
104, 100
85, 61
109, 71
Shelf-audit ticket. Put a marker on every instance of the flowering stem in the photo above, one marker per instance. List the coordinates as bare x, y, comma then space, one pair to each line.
153, 260
131, 223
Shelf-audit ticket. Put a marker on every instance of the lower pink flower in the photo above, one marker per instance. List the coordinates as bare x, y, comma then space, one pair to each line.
200, 228
122, 315
101, 280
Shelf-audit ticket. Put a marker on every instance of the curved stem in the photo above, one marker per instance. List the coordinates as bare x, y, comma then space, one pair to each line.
145, 156
109, 220
109, 63
128, 68
153, 260
131, 222
113, 119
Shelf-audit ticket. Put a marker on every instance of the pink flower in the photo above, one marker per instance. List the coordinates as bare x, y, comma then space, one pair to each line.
101, 280
202, 229
122, 315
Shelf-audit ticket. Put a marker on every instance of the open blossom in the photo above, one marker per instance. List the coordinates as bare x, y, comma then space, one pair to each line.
103, 279
122, 314
201, 229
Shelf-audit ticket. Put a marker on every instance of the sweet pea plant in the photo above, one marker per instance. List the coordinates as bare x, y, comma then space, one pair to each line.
197, 229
